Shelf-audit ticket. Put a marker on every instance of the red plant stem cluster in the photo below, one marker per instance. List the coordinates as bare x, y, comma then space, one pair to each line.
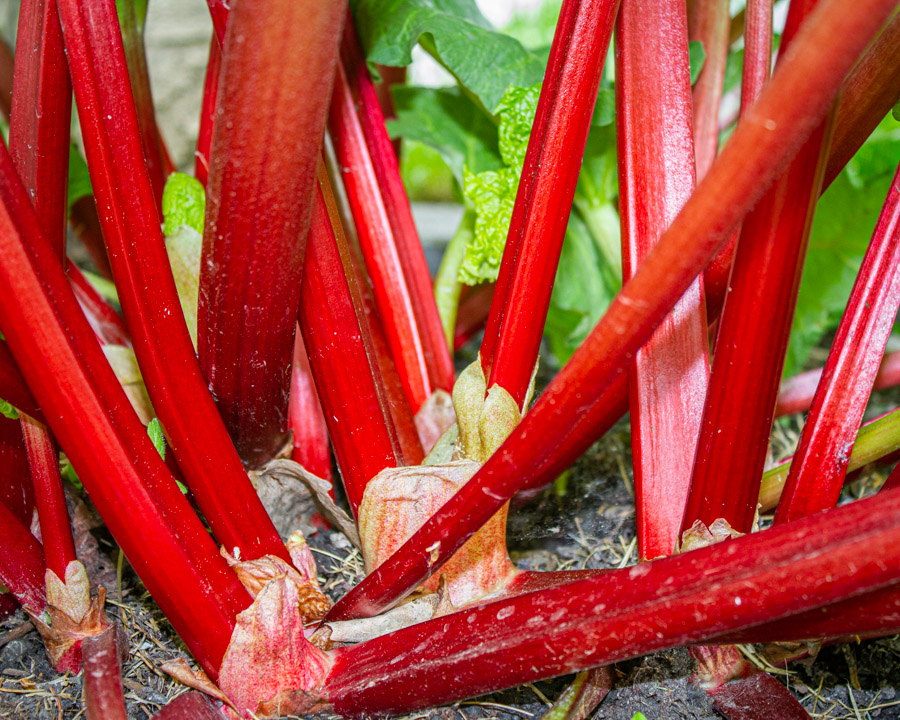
798, 96
753, 335
656, 176
540, 215
152, 310
387, 235
820, 462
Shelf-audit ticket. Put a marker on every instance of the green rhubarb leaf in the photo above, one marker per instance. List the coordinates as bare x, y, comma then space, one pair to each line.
79, 179
183, 204
844, 221
639, 716
483, 60
7, 410
492, 194
447, 120
155, 431
185, 247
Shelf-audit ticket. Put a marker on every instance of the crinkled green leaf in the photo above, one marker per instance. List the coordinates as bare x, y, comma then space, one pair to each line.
484, 60
492, 195
516, 110
843, 225
79, 180
155, 431
183, 203
7, 410
447, 120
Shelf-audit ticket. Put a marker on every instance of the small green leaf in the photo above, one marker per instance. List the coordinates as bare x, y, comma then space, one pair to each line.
7, 410
492, 195
895, 111
183, 203
155, 431
68, 473
698, 57
639, 716
79, 179
605, 109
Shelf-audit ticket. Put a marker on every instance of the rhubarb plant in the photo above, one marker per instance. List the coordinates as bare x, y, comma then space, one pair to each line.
252, 311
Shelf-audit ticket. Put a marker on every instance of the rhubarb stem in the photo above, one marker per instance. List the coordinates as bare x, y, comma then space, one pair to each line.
447, 286
208, 111
53, 514
274, 92
21, 563
306, 419
41, 114
753, 334
709, 23
102, 658
820, 462
656, 176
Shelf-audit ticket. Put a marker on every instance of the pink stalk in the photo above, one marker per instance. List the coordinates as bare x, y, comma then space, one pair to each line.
687, 598
796, 393
218, 11
131, 229
12, 385
21, 562
151, 139
757, 67
41, 114
108, 446
820, 463
103, 696
208, 111
86, 224
753, 335
275, 86
798, 97
341, 355
869, 92
709, 23
16, 489
397, 266
53, 515
306, 419
656, 176
561, 124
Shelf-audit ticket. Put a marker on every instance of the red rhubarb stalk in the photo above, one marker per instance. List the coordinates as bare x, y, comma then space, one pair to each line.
709, 24
41, 114
53, 515
820, 462
189, 706
21, 562
753, 335
273, 98
6, 78
107, 445
16, 488
208, 111
656, 176
151, 140
306, 420
86, 224
388, 238
541, 212
131, 229
798, 97
103, 698
683, 599
472, 313
869, 92
106, 322
12, 385
341, 355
